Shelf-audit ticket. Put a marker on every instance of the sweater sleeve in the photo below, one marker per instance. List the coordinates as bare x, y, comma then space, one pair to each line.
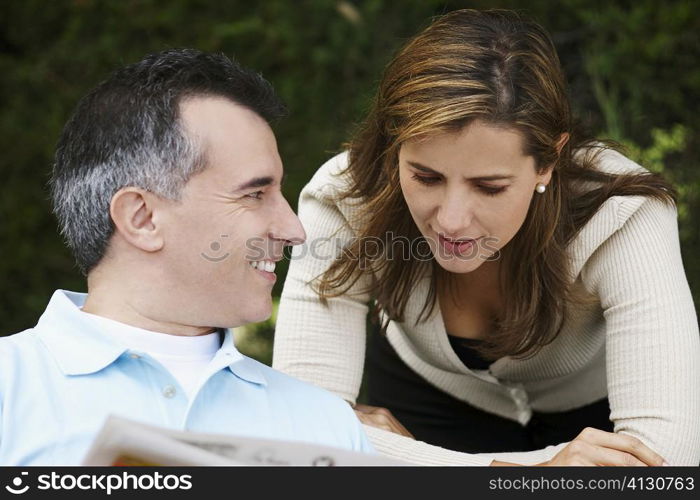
321, 344
652, 340
421, 453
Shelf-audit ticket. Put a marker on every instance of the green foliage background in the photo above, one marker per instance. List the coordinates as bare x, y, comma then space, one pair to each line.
633, 68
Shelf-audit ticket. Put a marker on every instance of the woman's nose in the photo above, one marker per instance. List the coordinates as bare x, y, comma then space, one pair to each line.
454, 214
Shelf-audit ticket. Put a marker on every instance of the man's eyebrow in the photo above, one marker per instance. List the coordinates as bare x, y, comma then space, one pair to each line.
255, 183
429, 170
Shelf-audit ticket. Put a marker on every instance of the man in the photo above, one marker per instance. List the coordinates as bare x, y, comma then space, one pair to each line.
166, 186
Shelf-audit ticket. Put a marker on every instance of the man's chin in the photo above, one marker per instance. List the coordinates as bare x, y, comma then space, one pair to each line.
249, 314
262, 313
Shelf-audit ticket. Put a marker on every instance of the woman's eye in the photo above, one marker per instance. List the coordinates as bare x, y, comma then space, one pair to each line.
257, 195
492, 190
426, 179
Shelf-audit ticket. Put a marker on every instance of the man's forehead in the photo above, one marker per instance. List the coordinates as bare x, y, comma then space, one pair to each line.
211, 117
195, 102
234, 141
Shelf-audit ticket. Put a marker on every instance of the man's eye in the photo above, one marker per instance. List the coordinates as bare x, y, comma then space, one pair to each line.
257, 195
426, 179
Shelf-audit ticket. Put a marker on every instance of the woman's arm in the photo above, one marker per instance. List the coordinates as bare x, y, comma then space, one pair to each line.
590, 447
652, 340
321, 345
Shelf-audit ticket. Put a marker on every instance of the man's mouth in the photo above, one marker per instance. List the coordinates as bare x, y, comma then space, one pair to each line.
263, 265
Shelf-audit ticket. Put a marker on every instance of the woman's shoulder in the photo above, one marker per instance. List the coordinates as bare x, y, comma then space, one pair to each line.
617, 212
608, 160
331, 179
612, 216
328, 190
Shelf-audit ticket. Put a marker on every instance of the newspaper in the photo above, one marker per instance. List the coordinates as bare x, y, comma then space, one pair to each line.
124, 442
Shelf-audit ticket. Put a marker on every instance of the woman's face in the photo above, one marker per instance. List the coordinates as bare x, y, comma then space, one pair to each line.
468, 191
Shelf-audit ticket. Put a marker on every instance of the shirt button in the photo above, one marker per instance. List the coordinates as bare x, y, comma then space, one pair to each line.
134, 356
169, 391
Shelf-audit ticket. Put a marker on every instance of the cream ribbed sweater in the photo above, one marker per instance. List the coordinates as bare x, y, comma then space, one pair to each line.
638, 345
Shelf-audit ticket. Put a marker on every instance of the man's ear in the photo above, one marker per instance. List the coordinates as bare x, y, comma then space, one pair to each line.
132, 210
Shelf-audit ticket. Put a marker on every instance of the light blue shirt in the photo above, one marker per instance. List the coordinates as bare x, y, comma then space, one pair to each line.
61, 379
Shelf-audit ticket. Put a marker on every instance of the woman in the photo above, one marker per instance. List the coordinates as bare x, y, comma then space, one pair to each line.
532, 303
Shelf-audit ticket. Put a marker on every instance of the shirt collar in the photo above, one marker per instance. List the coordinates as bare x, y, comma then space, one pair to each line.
80, 347
74, 340
241, 366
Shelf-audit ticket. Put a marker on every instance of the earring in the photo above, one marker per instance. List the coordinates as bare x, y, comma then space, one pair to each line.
540, 188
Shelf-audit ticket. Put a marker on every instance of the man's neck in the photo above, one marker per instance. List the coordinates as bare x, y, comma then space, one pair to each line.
131, 310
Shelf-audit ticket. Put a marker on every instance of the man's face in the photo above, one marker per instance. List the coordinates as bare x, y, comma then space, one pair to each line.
232, 222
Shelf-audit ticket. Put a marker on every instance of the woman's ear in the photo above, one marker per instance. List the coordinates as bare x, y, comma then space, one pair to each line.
132, 210
561, 142
546, 175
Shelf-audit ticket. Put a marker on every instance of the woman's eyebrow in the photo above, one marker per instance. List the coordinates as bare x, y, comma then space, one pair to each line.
423, 168
495, 177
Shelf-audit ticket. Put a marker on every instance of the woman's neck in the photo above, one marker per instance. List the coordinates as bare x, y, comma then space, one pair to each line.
480, 286
471, 303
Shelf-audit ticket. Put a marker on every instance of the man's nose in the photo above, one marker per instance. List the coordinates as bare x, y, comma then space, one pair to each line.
287, 226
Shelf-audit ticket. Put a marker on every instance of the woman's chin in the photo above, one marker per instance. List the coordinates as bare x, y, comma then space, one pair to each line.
459, 266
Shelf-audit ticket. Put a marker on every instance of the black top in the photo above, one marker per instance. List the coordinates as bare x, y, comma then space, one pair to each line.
436, 417
464, 349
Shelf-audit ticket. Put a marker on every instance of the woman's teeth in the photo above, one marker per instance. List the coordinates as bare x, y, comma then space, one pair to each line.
263, 265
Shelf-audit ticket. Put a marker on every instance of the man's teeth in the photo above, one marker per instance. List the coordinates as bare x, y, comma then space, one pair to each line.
263, 265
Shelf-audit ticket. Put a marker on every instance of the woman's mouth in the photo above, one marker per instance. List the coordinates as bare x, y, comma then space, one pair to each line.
456, 246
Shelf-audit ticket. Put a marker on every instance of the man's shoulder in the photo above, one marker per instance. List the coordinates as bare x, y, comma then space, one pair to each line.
298, 390
17, 350
22, 341
311, 413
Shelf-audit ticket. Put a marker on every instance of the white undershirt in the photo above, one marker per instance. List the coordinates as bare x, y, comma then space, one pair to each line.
185, 357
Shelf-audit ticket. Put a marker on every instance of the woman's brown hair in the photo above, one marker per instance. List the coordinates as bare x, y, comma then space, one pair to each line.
502, 69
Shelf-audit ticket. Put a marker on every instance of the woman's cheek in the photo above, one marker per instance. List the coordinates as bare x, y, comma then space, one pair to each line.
420, 210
